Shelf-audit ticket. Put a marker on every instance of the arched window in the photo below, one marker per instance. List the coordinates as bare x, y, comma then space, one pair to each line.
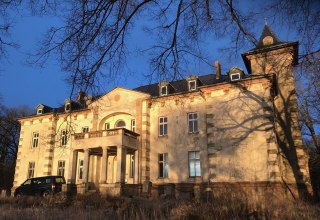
120, 124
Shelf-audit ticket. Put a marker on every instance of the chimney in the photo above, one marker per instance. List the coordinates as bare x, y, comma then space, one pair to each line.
80, 97
218, 69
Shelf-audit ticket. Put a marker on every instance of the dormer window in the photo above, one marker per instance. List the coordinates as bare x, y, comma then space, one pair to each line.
235, 76
67, 107
164, 90
192, 85
39, 111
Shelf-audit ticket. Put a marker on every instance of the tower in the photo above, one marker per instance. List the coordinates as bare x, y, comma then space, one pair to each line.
271, 56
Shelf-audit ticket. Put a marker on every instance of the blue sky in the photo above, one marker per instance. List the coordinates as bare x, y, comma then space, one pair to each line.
23, 84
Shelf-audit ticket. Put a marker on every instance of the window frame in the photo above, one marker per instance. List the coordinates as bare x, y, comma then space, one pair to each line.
85, 129
192, 122
61, 169
235, 74
119, 121
39, 111
64, 137
163, 126
35, 139
81, 165
133, 125
193, 163
31, 168
132, 162
161, 90
107, 126
164, 164
67, 107
195, 85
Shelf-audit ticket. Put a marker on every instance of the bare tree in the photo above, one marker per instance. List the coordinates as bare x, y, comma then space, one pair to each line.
9, 140
6, 24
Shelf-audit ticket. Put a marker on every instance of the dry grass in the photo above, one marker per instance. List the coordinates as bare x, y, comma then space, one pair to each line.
223, 206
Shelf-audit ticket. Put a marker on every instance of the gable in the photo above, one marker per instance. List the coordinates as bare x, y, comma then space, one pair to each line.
119, 98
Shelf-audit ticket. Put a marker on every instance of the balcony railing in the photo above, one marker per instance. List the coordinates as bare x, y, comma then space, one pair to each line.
105, 133
117, 135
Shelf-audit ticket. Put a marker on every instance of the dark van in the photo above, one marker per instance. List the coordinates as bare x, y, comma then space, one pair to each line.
42, 186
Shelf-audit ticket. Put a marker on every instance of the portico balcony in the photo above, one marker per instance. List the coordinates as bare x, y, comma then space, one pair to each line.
111, 137
114, 143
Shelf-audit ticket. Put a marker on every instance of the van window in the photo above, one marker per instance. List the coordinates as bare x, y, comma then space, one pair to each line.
28, 182
59, 180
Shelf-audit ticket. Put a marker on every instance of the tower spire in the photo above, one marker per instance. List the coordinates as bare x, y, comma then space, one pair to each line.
265, 21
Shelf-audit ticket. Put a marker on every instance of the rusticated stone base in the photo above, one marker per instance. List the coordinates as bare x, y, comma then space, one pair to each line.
205, 190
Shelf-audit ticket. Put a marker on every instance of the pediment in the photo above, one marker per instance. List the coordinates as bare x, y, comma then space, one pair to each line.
118, 97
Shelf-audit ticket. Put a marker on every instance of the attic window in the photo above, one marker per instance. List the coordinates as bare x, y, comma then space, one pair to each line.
192, 85
67, 107
235, 76
39, 111
164, 90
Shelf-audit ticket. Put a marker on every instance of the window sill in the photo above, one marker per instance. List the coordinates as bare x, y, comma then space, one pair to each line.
163, 136
196, 132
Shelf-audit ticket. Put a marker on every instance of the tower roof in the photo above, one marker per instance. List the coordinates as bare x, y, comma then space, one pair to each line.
268, 38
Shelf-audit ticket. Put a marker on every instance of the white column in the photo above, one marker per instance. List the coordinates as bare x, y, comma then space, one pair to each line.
136, 167
121, 164
86, 165
104, 165
72, 166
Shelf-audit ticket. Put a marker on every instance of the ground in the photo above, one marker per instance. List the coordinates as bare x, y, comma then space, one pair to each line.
94, 206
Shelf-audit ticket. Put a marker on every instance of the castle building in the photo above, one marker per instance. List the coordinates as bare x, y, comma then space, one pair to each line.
234, 128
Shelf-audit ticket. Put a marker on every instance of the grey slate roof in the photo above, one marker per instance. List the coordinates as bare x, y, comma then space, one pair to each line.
181, 86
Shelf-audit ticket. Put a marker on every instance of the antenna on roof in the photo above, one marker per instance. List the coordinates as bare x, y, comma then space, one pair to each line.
265, 21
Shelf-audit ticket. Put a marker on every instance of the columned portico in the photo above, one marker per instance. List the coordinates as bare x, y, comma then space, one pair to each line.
109, 159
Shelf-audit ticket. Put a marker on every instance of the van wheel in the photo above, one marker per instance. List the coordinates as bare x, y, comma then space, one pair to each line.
45, 194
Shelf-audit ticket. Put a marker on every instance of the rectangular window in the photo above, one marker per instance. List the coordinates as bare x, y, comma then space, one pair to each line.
35, 139
85, 129
235, 76
67, 107
133, 125
194, 164
61, 167
39, 112
163, 126
80, 169
31, 169
64, 137
193, 122
132, 165
164, 90
192, 85
163, 165
106, 126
